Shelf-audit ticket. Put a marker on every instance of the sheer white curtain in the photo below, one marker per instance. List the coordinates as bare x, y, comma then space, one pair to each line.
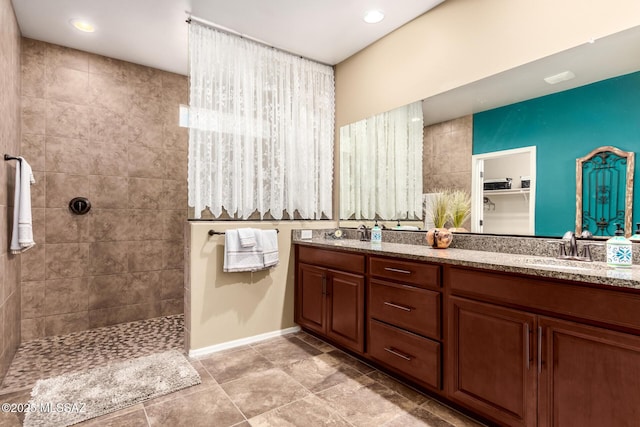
381, 165
261, 129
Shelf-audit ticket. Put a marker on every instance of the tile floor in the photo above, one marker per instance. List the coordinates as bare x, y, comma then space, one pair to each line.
296, 380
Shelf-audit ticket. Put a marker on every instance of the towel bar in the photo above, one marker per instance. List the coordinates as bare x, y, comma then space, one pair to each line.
213, 232
8, 157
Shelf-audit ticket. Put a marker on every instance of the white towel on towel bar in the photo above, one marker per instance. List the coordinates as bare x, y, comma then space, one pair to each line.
269, 242
237, 258
22, 234
247, 237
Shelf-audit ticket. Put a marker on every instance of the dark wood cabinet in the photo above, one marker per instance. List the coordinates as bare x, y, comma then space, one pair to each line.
345, 309
522, 368
310, 297
517, 350
589, 377
331, 302
491, 361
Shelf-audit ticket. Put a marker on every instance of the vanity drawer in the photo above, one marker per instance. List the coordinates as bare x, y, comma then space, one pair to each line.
415, 357
408, 307
344, 261
419, 274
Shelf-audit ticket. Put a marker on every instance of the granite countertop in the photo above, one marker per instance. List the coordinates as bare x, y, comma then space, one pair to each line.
578, 271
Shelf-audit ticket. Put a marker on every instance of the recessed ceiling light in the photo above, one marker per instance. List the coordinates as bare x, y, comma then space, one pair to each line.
373, 16
81, 25
560, 77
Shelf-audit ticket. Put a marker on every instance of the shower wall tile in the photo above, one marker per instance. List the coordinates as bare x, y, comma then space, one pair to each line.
172, 284
107, 130
66, 260
32, 299
66, 120
33, 116
66, 296
38, 190
32, 329
177, 165
145, 193
33, 150
10, 135
110, 225
111, 67
33, 83
109, 92
106, 192
172, 254
66, 85
33, 263
146, 132
68, 155
123, 314
108, 258
174, 193
108, 125
170, 307
145, 256
146, 224
146, 162
64, 227
173, 224
66, 323
109, 158
59, 56
62, 187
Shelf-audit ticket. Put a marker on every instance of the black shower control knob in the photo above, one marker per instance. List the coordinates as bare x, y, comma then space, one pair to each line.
80, 205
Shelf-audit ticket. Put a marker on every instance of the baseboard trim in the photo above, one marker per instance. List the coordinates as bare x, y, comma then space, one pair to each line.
198, 352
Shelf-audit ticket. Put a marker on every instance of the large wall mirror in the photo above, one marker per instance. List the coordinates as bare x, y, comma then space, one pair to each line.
518, 109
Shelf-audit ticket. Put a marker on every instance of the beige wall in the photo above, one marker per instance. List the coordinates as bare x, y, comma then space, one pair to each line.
462, 41
10, 144
222, 307
107, 130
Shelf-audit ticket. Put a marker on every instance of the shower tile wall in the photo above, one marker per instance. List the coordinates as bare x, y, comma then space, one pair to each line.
9, 143
107, 130
447, 155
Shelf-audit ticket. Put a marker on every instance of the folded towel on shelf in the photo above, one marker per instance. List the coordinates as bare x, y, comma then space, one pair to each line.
237, 258
247, 237
269, 243
22, 234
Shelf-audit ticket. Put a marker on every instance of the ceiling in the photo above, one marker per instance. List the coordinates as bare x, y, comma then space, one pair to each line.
592, 61
154, 32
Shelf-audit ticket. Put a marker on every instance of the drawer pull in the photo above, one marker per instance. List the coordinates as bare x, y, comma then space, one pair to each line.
398, 306
397, 270
398, 354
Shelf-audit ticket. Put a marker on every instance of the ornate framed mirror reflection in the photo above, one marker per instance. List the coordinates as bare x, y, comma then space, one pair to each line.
604, 191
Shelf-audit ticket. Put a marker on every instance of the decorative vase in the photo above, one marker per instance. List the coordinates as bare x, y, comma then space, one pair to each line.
458, 230
439, 238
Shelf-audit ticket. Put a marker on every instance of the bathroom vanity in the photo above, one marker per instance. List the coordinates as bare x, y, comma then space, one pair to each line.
514, 339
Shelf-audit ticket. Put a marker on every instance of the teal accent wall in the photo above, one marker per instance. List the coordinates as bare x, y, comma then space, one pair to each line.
565, 126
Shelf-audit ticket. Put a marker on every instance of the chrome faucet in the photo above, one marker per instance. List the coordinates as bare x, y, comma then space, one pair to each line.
569, 238
569, 248
364, 233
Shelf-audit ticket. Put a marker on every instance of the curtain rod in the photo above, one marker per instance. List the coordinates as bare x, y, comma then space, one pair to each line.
244, 36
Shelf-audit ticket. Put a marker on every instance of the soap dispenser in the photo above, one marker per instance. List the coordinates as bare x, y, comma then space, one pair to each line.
619, 249
636, 234
376, 234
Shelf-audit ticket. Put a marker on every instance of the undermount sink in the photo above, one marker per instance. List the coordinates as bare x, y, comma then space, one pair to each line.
567, 264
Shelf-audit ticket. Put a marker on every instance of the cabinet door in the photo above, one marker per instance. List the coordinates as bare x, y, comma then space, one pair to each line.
345, 310
490, 362
310, 297
589, 376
